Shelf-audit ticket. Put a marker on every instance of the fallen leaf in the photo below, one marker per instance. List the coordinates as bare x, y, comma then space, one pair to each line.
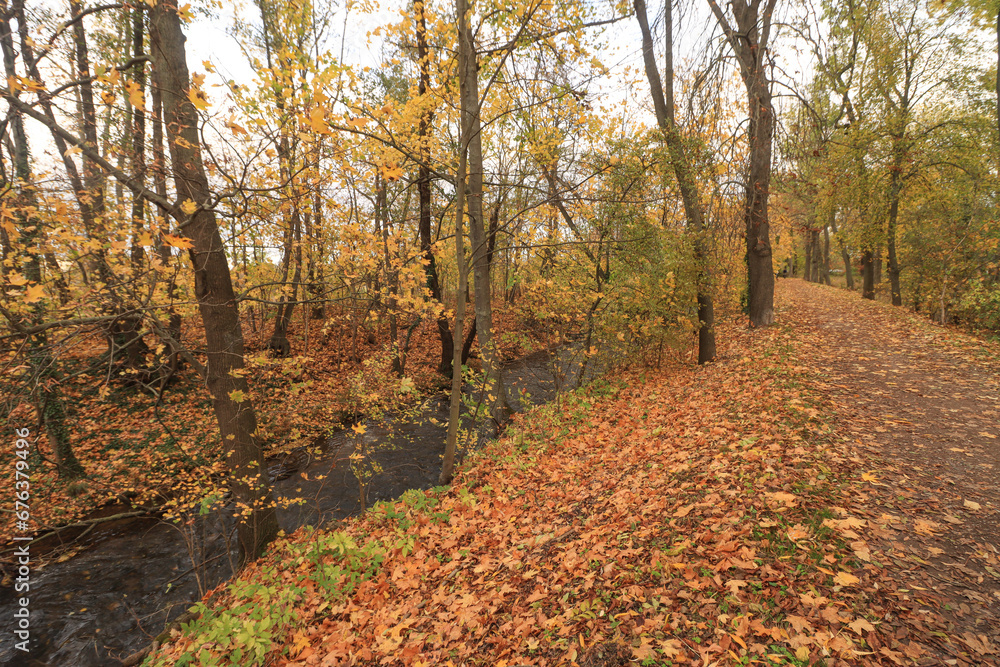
799, 623
845, 579
782, 497
798, 532
861, 624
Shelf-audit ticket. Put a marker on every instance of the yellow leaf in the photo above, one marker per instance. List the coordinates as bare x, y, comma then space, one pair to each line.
869, 477
359, 429
108, 97
184, 11
34, 293
17, 279
197, 79
317, 122
135, 95
392, 172
73, 150
972, 505
300, 640
237, 396
198, 98
177, 241
189, 207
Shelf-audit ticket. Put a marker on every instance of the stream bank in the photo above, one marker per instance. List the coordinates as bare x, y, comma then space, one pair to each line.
138, 575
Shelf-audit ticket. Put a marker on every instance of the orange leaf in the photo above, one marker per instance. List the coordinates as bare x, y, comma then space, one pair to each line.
177, 241
34, 293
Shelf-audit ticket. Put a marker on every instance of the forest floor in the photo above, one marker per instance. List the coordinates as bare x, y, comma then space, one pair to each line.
138, 451
823, 494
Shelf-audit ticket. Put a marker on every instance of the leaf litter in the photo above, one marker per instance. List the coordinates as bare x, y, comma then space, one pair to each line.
722, 515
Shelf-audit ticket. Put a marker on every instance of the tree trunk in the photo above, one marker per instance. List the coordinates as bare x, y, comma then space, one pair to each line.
817, 256
468, 71
749, 42
424, 192
46, 393
391, 279
48, 402
93, 176
825, 266
279, 344
663, 95
54, 421
848, 266
455, 408
895, 188
138, 137
159, 176
844, 255
868, 272
807, 274
317, 289
258, 524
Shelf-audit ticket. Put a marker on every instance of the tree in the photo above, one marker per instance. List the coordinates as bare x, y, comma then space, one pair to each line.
663, 105
258, 524
44, 380
749, 42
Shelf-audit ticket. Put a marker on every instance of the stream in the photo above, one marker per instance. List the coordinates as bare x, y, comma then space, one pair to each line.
136, 575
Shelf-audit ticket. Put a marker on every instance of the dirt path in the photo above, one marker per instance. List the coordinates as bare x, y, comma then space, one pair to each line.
924, 402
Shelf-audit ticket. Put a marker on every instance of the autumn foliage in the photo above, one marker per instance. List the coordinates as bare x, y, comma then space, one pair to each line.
673, 516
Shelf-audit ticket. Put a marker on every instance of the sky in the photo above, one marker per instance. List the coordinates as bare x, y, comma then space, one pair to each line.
210, 39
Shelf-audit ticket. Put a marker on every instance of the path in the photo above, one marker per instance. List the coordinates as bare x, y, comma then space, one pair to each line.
923, 400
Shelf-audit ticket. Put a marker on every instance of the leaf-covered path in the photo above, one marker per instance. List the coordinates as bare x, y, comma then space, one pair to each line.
757, 511
924, 401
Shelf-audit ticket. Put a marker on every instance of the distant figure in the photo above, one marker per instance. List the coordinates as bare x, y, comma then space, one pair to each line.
784, 272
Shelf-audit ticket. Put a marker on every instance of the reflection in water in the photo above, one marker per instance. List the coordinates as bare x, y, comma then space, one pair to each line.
110, 601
